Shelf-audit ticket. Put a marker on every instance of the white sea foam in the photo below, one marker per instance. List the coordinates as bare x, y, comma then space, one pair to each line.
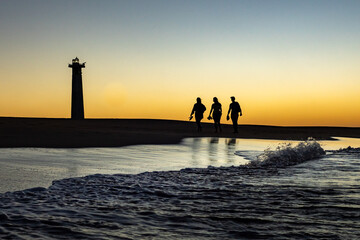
244, 202
286, 154
349, 149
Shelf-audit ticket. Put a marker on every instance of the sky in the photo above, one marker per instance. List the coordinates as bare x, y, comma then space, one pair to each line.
287, 62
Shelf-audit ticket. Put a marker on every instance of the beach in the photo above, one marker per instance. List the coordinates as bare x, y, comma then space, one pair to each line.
67, 133
161, 179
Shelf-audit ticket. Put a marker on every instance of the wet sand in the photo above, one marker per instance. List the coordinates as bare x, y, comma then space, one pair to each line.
67, 133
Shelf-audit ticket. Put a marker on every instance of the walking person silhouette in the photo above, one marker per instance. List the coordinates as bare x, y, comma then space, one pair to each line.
199, 110
235, 110
216, 110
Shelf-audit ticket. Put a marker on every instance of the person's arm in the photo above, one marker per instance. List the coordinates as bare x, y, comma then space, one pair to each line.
211, 110
240, 110
227, 117
192, 112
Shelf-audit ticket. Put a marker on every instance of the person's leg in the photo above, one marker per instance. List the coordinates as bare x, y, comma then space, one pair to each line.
198, 124
216, 117
218, 120
235, 125
198, 118
215, 125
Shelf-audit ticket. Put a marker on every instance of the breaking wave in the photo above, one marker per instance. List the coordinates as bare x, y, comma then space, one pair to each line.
255, 201
286, 154
349, 149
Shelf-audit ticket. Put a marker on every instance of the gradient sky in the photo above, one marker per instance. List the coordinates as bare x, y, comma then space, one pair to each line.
287, 62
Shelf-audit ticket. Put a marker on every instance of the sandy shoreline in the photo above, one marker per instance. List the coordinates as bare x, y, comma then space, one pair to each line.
67, 133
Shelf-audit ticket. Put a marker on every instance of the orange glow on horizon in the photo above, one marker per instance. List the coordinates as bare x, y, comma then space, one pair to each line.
273, 101
115, 101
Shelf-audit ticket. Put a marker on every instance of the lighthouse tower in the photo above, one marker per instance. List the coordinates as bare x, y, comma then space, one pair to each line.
77, 101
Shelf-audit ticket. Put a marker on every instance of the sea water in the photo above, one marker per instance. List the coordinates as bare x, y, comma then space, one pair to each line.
22, 168
140, 192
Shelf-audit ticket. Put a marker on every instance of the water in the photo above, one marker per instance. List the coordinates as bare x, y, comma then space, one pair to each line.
316, 199
22, 168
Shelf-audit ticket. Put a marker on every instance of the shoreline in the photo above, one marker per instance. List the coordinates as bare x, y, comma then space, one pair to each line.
68, 133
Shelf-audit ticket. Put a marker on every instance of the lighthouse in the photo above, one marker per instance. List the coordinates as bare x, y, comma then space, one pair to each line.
77, 100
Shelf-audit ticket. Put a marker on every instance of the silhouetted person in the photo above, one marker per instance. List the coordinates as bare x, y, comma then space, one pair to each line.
235, 110
199, 110
216, 110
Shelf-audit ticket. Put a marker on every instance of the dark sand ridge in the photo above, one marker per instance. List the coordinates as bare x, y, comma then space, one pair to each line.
65, 133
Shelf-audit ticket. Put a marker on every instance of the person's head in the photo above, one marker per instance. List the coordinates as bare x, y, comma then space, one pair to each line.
233, 98
198, 100
215, 100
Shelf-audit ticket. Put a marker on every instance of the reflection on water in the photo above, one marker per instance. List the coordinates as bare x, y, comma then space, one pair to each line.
213, 151
22, 168
195, 147
230, 146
